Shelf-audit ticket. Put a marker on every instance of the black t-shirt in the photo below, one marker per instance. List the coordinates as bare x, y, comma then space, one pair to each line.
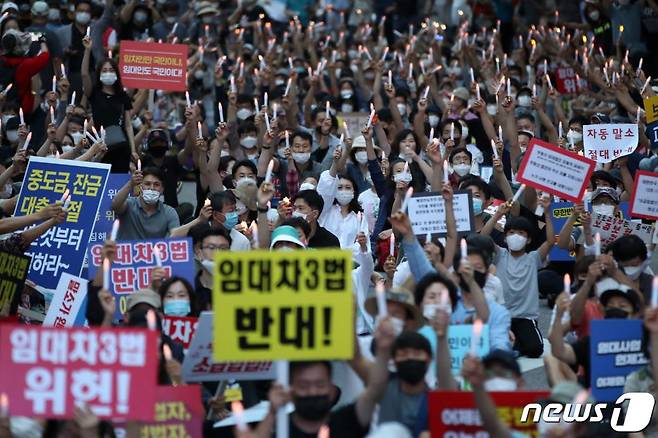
581, 350
203, 294
109, 109
343, 423
323, 239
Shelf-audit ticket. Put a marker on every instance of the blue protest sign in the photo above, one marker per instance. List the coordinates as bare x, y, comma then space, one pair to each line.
135, 261
459, 342
105, 215
62, 249
615, 352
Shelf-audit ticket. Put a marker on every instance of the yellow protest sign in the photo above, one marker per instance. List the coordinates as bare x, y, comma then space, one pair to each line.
294, 305
651, 108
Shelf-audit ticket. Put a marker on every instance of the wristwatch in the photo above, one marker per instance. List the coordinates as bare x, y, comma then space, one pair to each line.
261, 209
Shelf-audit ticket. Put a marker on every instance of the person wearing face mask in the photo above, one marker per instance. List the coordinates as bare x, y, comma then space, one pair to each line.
144, 216
248, 140
157, 146
163, 28
39, 12
616, 304
524, 97
610, 179
314, 395
605, 201
207, 241
70, 38
225, 215
517, 270
632, 258
357, 167
301, 144
111, 108
348, 101
460, 159
178, 297
136, 21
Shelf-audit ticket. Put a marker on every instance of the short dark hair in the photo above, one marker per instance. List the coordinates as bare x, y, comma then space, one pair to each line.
303, 135
526, 115
298, 222
474, 180
518, 223
154, 171
409, 339
312, 198
220, 199
214, 231
628, 247
247, 126
428, 280
470, 250
485, 244
298, 365
458, 150
244, 163
582, 120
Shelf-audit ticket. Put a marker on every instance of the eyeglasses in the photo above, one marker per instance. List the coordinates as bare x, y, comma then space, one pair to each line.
215, 247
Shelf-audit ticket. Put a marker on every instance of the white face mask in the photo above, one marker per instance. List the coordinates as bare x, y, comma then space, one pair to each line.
398, 325
344, 197
245, 181
77, 137
633, 272
604, 209
500, 384
150, 196
402, 108
433, 120
361, 157
12, 136
429, 311
243, 113
170, 19
461, 169
198, 74
402, 177
347, 107
299, 213
492, 109
301, 157
83, 17
67, 148
515, 242
594, 15
248, 142
464, 132
306, 186
208, 265
525, 101
108, 78
575, 136
240, 207
346, 94
6, 191
140, 17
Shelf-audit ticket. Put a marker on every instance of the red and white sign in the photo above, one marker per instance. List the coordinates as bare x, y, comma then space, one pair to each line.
198, 365
178, 412
180, 329
554, 170
565, 80
67, 300
606, 142
113, 371
612, 228
644, 202
453, 413
153, 66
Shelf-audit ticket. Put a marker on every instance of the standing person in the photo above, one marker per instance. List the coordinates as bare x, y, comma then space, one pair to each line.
111, 108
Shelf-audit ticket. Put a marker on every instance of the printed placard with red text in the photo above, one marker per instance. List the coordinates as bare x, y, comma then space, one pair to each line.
178, 413
644, 201
554, 170
179, 328
153, 66
111, 370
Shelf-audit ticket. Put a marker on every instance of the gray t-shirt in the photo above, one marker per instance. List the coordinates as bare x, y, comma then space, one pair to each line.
519, 278
398, 406
137, 225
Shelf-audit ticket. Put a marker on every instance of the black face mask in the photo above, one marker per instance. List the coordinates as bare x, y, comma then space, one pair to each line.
412, 371
480, 279
615, 313
158, 152
313, 408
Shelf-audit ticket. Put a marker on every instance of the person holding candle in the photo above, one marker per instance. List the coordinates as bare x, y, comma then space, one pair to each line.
158, 143
308, 205
207, 241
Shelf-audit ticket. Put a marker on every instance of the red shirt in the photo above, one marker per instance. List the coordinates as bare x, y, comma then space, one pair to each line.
592, 311
25, 69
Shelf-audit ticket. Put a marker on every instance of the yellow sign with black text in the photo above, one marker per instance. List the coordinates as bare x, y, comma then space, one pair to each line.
294, 305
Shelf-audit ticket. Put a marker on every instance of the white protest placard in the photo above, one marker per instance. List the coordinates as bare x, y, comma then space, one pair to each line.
354, 121
428, 215
611, 228
609, 141
554, 170
644, 200
67, 299
198, 365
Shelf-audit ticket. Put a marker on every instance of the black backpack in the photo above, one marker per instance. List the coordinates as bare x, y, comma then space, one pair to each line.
8, 76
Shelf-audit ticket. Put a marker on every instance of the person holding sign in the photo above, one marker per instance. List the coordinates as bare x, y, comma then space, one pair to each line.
517, 270
144, 217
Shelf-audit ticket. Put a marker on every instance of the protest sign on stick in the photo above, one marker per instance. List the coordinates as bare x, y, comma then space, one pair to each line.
644, 199
153, 65
608, 141
427, 213
67, 302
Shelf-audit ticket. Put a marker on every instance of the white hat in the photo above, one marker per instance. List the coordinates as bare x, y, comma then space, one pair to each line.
8, 5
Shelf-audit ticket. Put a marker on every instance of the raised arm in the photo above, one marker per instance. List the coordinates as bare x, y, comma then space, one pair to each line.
119, 202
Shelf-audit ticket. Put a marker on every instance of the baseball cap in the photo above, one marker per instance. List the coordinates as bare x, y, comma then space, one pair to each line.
504, 358
628, 294
600, 118
40, 8
461, 93
157, 135
8, 5
606, 191
146, 296
286, 233
397, 295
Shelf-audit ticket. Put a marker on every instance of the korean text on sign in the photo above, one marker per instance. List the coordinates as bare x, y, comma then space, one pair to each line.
427, 213
106, 216
178, 413
135, 261
566, 81
153, 66
198, 365
651, 108
67, 301
53, 370
459, 343
179, 328
62, 248
644, 200
283, 305
548, 168
13, 271
615, 352
453, 413
606, 142
611, 228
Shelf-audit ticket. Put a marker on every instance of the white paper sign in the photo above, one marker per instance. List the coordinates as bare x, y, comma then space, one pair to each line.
611, 228
198, 365
644, 201
428, 215
67, 299
606, 142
